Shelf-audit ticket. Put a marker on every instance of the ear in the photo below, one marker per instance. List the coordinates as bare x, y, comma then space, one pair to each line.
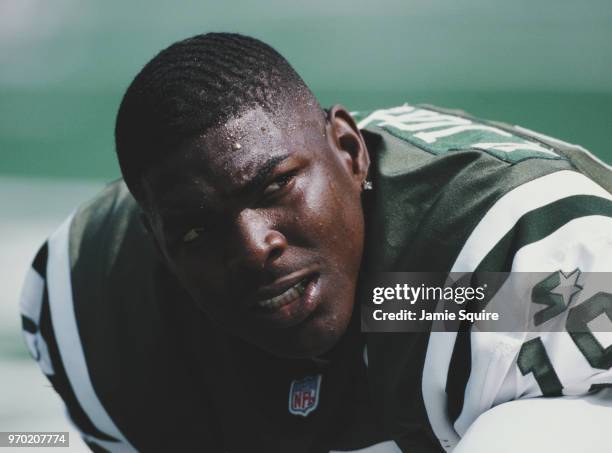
345, 137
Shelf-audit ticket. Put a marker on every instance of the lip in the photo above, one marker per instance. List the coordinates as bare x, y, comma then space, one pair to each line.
280, 286
296, 311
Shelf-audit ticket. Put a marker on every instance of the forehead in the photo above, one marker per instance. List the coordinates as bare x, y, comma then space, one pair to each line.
231, 153
233, 149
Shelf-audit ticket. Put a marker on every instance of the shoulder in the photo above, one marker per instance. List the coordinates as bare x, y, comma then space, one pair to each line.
105, 223
443, 177
100, 315
57, 299
51, 333
453, 193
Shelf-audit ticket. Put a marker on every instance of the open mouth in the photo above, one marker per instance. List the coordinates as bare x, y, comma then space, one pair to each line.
288, 296
294, 305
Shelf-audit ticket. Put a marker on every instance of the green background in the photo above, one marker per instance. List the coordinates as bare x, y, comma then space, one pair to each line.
64, 65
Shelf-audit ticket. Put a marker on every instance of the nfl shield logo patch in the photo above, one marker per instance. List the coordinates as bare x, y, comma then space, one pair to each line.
304, 395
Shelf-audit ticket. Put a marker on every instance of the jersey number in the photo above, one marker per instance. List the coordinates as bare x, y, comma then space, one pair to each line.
534, 359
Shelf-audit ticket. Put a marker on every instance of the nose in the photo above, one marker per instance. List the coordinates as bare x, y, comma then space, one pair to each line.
256, 242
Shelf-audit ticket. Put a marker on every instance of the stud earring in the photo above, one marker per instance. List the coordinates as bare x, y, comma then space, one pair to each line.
367, 185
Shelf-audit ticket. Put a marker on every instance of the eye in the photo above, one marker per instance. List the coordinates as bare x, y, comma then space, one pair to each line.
279, 183
192, 235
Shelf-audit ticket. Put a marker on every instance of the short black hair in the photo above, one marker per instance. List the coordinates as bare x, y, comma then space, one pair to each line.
193, 85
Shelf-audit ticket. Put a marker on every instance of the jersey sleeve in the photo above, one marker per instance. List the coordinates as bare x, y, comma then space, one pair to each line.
543, 424
39, 333
558, 230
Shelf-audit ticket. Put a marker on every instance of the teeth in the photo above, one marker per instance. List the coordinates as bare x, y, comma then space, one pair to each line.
283, 299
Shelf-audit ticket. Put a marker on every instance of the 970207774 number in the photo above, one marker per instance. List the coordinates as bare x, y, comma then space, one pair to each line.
37, 439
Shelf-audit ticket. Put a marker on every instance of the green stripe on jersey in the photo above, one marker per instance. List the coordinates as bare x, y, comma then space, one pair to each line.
539, 223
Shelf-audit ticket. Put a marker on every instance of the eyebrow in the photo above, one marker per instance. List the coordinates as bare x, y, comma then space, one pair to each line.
257, 180
261, 175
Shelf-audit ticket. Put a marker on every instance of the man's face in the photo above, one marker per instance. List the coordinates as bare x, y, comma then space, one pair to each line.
261, 220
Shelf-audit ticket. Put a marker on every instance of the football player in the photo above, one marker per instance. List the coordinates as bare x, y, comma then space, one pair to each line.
206, 301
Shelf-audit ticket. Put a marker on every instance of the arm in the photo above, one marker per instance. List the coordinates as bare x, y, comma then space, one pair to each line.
562, 425
556, 225
40, 337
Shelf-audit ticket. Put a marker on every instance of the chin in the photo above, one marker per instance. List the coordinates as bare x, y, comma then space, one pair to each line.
314, 338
